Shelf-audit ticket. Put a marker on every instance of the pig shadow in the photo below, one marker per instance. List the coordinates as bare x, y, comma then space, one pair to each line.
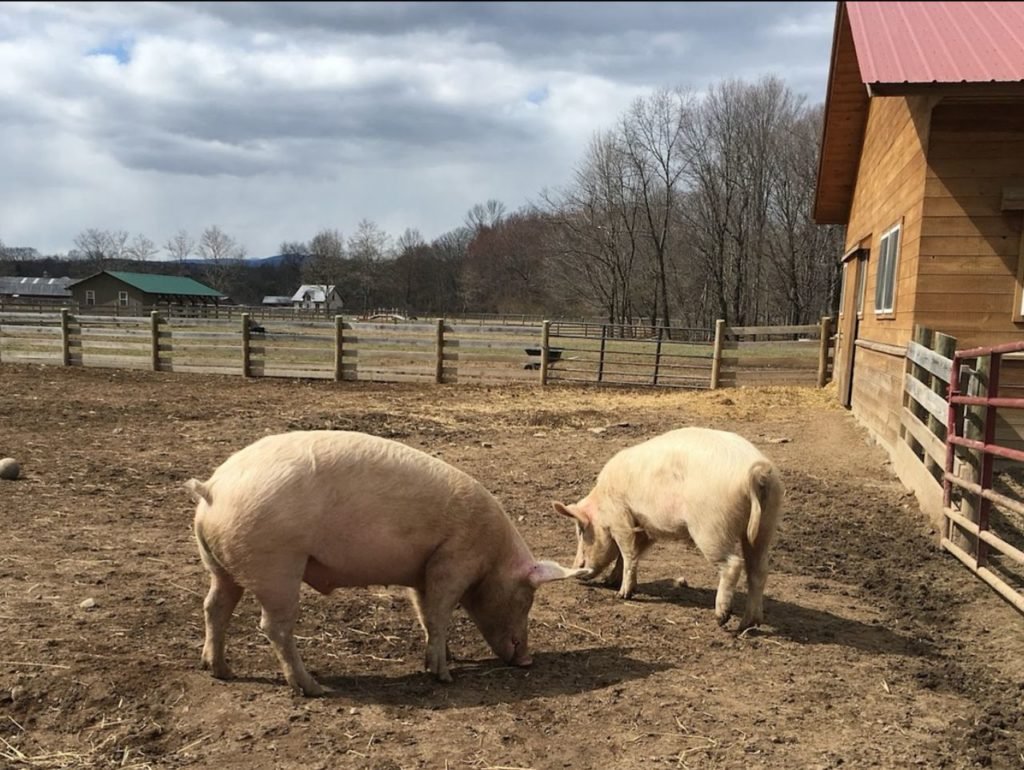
794, 622
490, 682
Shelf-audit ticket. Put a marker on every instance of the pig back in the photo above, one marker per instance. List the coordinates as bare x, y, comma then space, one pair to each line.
665, 481
369, 509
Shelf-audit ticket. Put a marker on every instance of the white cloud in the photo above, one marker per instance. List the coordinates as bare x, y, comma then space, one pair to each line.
274, 120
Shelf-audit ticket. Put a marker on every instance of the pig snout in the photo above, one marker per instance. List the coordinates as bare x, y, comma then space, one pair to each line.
519, 655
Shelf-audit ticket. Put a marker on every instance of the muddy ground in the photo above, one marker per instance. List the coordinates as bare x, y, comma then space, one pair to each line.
879, 650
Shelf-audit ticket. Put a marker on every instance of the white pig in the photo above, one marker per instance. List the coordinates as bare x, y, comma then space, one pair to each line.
339, 508
710, 487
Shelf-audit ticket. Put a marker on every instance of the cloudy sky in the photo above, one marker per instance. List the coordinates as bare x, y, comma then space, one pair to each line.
274, 120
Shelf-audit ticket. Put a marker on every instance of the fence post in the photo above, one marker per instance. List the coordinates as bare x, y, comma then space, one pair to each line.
246, 360
545, 350
154, 332
716, 356
65, 338
339, 332
970, 468
922, 336
657, 354
439, 368
600, 360
825, 332
945, 346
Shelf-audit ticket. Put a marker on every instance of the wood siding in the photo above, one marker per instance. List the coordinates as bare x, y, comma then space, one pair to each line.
890, 191
878, 394
107, 288
969, 247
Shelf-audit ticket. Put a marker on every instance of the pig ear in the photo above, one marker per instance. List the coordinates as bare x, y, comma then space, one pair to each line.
573, 512
546, 571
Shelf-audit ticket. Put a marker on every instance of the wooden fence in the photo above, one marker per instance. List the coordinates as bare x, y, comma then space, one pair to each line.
435, 351
693, 358
948, 451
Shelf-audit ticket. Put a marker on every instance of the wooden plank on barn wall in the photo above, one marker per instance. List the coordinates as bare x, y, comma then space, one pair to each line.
932, 444
929, 360
931, 401
937, 303
917, 478
970, 246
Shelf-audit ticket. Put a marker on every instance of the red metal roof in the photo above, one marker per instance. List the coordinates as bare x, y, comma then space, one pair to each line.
938, 42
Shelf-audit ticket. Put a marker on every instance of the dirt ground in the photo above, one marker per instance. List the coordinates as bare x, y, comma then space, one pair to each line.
879, 650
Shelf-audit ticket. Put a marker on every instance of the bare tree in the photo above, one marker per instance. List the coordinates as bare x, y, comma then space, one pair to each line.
367, 248
92, 245
736, 155
325, 265
485, 214
410, 239
223, 256
180, 246
141, 248
118, 244
294, 249
217, 247
506, 269
597, 230
805, 272
652, 135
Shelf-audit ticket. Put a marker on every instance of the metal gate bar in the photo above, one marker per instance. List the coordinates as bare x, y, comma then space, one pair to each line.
989, 450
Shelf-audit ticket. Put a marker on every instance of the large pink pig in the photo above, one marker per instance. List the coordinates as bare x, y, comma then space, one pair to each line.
338, 508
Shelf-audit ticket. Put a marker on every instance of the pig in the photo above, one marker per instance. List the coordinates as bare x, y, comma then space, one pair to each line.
342, 508
709, 487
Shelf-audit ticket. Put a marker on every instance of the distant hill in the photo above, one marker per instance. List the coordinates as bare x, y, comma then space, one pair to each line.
273, 261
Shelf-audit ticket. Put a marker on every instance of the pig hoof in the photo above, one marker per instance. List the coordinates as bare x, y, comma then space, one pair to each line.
625, 594
312, 690
444, 676
217, 670
723, 617
748, 623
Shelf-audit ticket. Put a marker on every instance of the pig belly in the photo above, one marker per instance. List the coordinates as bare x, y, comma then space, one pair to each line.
365, 567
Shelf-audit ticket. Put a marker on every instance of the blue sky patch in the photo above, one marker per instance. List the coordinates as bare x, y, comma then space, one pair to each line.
538, 95
119, 49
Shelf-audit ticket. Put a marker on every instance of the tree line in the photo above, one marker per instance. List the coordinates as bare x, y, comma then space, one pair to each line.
691, 207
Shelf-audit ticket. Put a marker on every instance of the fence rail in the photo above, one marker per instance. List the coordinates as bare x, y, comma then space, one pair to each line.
950, 445
979, 521
436, 351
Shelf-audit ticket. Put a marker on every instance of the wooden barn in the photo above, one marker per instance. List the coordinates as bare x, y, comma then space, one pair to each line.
134, 292
923, 161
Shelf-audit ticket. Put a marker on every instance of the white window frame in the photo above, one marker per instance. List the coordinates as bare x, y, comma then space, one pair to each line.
122, 298
888, 270
90, 297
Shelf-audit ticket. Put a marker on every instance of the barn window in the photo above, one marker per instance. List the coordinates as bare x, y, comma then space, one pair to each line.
122, 298
90, 297
888, 256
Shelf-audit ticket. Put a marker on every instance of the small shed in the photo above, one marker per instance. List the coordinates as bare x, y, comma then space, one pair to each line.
136, 292
317, 296
35, 291
922, 160
277, 301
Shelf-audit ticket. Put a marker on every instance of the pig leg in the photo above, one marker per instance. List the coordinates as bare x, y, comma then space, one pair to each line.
417, 604
630, 548
437, 604
280, 611
756, 560
614, 579
217, 608
728, 577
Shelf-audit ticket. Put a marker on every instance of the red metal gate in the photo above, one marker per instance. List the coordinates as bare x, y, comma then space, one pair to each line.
989, 449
